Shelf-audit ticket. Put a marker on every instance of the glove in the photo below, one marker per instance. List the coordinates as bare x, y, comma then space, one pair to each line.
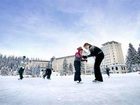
85, 57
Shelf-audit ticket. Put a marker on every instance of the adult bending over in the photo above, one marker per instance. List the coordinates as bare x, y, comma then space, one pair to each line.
99, 56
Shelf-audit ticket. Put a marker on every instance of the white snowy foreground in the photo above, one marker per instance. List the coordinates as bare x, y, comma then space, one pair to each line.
119, 89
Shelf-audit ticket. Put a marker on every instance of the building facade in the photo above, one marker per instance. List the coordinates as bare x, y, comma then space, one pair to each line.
113, 57
36, 67
57, 63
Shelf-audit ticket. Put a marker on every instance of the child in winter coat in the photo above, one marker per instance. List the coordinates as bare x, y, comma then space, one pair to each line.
77, 64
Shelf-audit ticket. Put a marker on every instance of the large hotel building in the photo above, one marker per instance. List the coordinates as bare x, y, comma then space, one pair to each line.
113, 59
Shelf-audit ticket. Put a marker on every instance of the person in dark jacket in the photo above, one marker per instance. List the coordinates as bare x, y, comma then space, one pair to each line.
107, 71
77, 64
99, 56
21, 71
22, 68
48, 73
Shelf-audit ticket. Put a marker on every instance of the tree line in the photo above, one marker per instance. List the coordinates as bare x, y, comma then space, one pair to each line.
9, 65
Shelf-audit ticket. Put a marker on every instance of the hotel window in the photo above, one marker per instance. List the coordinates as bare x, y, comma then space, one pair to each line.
124, 68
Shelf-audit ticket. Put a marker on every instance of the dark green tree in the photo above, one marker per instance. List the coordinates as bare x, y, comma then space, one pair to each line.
65, 67
131, 58
70, 69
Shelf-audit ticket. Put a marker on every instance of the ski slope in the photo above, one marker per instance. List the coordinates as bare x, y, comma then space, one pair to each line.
119, 89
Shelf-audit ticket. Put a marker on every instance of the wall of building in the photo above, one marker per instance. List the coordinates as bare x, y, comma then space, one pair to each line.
35, 67
57, 64
113, 57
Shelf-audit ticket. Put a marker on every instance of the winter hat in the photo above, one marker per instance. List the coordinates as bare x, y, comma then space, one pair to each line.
79, 48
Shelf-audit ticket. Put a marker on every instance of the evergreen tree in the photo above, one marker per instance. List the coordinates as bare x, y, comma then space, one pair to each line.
139, 54
70, 69
65, 67
138, 57
131, 58
38, 71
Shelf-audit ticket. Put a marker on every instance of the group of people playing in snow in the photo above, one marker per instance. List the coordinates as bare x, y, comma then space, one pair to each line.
94, 52
46, 73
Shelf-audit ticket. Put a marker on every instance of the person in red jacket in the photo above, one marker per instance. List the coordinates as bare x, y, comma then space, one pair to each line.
77, 64
99, 56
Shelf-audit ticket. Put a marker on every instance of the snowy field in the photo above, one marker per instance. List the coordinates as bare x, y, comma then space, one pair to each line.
119, 89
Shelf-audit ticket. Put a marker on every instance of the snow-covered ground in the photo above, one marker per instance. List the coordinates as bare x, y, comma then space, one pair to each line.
119, 89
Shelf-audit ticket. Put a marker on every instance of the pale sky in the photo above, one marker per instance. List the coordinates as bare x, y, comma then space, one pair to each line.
46, 28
